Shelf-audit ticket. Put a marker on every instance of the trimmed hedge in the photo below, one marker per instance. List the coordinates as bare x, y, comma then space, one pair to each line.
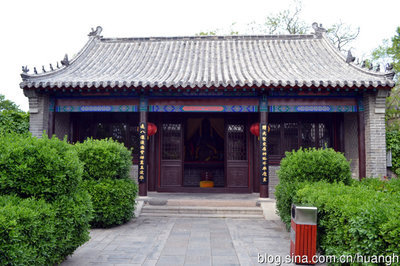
48, 170
42, 168
104, 158
72, 223
27, 232
354, 219
113, 200
307, 165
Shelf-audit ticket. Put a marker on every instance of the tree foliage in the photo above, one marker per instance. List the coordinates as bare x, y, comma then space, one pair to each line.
7, 104
342, 34
289, 21
389, 54
12, 119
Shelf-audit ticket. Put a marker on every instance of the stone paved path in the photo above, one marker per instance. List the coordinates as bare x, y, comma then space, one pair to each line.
183, 241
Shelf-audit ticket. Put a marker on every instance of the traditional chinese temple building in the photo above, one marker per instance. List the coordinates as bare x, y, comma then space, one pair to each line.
204, 94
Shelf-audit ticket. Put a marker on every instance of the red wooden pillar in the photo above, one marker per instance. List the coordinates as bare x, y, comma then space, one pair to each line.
361, 139
142, 175
264, 175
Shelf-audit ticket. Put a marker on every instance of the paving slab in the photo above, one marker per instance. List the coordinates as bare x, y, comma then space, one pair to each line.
183, 241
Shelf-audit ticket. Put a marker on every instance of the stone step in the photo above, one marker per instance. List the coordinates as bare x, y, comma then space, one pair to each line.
210, 203
202, 211
198, 215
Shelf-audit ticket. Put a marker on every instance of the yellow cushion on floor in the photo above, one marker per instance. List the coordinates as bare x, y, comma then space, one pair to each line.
206, 184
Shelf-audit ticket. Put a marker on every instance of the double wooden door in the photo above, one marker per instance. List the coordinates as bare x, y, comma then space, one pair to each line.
236, 165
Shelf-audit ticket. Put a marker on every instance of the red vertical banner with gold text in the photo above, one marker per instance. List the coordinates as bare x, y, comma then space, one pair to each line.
142, 152
264, 154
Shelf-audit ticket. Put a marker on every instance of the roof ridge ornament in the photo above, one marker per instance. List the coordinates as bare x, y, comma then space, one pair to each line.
65, 61
25, 69
96, 32
350, 58
319, 30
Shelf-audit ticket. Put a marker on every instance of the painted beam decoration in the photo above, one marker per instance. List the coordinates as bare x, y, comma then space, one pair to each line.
204, 108
142, 152
312, 108
264, 154
96, 108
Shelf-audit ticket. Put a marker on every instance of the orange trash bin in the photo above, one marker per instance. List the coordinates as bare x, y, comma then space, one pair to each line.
303, 234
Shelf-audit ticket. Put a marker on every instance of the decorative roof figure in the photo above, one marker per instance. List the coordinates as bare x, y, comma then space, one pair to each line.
25, 69
319, 30
350, 58
96, 33
65, 61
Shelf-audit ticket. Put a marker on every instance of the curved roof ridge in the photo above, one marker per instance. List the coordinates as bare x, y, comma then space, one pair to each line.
212, 37
50, 73
355, 66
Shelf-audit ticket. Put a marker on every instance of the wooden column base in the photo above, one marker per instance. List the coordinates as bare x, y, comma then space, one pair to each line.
264, 191
143, 189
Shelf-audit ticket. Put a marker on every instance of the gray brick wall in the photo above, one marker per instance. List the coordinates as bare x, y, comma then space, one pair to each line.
38, 111
62, 125
375, 139
351, 141
273, 179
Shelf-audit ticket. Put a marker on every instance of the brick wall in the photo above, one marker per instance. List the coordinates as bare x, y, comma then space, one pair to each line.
38, 112
375, 139
273, 180
351, 141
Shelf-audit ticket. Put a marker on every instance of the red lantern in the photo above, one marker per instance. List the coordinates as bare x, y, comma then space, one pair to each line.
255, 129
151, 129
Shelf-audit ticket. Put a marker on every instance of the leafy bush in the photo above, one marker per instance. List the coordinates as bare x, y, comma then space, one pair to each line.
73, 215
354, 219
307, 165
104, 158
50, 171
393, 144
113, 200
14, 121
42, 168
27, 232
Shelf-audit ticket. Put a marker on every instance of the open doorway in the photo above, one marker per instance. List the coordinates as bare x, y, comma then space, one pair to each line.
204, 151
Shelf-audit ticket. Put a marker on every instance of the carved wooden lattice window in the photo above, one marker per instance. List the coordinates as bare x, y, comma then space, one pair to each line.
171, 144
290, 136
236, 142
274, 139
324, 137
308, 138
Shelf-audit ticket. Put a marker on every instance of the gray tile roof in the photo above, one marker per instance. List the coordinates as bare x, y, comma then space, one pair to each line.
207, 61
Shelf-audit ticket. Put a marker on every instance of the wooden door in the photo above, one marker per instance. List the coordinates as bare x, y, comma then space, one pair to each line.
171, 154
237, 167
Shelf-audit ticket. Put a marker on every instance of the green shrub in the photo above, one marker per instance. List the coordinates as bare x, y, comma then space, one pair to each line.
49, 170
113, 200
42, 168
104, 158
354, 219
27, 232
72, 223
307, 165
14, 121
393, 144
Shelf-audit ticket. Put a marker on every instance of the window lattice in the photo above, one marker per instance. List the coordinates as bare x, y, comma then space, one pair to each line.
236, 142
290, 133
171, 144
274, 139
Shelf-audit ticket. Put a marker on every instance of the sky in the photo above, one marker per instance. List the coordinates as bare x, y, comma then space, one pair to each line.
36, 33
